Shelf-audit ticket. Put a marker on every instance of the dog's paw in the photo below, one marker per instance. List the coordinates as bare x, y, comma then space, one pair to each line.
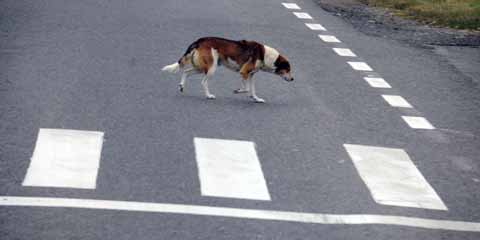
258, 100
210, 96
237, 91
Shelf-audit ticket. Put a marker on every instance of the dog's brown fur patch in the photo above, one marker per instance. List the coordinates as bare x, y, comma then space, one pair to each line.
244, 53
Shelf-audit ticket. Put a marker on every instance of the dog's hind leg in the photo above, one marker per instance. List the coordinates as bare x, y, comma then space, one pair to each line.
205, 87
243, 89
211, 70
185, 74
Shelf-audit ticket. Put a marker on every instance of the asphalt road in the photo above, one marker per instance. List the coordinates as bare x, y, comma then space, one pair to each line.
95, 66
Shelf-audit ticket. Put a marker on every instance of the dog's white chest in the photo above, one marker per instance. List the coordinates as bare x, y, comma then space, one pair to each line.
270, 57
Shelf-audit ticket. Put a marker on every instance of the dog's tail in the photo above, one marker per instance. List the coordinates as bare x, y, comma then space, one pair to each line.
175, 67
172, 68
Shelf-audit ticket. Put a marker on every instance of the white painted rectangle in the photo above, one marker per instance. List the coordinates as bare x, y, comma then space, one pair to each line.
360, 66
229, 168
302, 15
392, 177
396, 101
329, 38
65, 158
344, 52
315, 27
377, 82
291, 5
418, 122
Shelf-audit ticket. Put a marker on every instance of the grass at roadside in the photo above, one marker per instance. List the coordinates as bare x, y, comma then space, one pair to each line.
460, 14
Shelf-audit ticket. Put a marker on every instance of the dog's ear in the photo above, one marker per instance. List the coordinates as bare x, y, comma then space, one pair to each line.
244, 42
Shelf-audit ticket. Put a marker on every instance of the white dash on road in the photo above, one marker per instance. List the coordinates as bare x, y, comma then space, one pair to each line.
377, 82
65, 158
291, 5
360, 66
329, 38
418, 122
315, 27
302, 15
229, 168
396, 101
242, 213
344, 52
392, 177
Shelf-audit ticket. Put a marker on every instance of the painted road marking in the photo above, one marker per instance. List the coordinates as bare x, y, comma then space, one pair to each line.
300, 217
418, 122
291, 5
329, 38
302, 15
344, 52
396, 101
65, 158
229, 168
315, 26
377, 82
392, 178
360, 66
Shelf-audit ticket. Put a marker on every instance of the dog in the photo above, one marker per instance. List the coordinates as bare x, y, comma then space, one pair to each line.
245, 57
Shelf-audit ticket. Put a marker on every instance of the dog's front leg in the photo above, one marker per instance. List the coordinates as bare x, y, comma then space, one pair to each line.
253, 95
247, 72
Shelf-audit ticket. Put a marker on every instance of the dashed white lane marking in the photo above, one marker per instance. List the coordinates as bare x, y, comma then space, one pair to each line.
360, 66
291, 5
418, 122
302, 15
392, 178
258, 214
315, 27
377, 82
329, 38
396, 101
229, 168
65, 158
344, 52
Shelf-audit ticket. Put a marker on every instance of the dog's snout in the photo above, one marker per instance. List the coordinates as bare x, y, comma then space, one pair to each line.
292, 79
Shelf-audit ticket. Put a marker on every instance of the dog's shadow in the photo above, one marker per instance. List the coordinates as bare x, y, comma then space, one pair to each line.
234, 100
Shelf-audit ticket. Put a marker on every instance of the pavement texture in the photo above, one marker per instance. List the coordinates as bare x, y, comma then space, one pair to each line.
95, 65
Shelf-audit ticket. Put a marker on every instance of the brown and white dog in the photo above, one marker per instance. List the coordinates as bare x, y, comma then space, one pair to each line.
246, 57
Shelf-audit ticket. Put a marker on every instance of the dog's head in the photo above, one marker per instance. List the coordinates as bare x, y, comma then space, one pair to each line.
277, 63
282, 68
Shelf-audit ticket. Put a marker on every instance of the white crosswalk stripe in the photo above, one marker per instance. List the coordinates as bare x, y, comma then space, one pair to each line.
396, 101
377, 82
315, 27
229, 168
291, 6
360, 66
329, 38
302, 15
344, 52
392, 177
418, 122
65, 158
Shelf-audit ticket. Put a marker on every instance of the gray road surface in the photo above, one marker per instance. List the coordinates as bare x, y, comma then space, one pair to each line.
95, 65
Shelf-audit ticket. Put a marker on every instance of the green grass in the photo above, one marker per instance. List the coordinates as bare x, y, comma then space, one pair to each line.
460, 14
